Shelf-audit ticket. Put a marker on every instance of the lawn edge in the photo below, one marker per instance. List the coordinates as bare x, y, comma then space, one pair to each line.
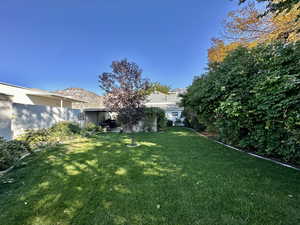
248, 153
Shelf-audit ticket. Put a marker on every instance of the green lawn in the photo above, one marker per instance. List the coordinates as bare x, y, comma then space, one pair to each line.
174, 178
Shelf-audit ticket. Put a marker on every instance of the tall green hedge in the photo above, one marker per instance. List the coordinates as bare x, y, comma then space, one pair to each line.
252, 99
159, 113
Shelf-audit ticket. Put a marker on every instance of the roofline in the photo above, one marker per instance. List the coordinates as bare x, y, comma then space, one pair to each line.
13, 85
43, 92
161, 103
96, 110
58, 96
5, 94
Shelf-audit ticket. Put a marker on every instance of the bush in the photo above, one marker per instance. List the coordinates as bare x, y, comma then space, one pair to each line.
161, 119
187, 123
59, 132
36, 138
178, 122
155, 112
64, 129
169, 123
252, 99
11, 151
191, 120
91, 129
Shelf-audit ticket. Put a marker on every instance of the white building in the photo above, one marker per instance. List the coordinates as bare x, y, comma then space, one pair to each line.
168, 102
24, 108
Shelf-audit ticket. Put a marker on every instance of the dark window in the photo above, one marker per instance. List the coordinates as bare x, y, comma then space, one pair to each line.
175, 114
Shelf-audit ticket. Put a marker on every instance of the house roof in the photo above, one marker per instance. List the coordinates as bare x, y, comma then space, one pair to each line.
96, 110
165, 106
55, 96
5, 94
43, 93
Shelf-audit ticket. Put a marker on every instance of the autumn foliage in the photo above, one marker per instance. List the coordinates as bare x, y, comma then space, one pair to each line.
250, 26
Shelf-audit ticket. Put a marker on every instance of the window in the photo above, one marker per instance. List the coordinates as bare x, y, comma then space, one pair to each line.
81, 116
175, 114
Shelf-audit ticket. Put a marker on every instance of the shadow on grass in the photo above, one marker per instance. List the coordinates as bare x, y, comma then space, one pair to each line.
171, 178
85, 182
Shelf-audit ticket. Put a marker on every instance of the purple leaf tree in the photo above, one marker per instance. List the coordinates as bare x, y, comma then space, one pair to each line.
126, 92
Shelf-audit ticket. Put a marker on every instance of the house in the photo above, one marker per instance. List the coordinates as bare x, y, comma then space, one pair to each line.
95, 111
23, 108
93, 106
168, 102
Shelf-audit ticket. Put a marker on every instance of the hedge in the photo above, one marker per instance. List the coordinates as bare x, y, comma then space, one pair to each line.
252, 99
153, 112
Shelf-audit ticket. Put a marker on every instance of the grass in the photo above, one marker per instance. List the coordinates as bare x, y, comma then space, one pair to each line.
174, 178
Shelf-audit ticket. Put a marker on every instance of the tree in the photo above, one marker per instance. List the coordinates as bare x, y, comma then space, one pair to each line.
220, 50
246, 27
277, 6
251, 99
156, 86
126, 92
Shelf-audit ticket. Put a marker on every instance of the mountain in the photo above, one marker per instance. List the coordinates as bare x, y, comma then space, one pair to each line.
93, 100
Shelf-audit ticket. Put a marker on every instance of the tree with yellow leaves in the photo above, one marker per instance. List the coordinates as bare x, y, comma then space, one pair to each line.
247, 27
220, 50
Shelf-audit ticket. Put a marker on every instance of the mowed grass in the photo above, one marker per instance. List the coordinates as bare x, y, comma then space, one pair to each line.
175, 177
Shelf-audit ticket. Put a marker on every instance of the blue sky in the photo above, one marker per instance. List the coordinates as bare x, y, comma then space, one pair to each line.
67, 43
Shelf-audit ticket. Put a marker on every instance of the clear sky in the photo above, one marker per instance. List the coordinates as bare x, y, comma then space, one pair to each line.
57, 44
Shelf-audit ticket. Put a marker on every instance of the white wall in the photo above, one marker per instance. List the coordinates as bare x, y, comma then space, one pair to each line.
5, 117
161, 98
168, 102
25, 117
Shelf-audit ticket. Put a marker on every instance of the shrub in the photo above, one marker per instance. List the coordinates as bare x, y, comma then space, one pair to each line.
11, 151
178, 122
187, 123
169, 123
191, 120
64, 129
90, 129
59, 132
161, 119
152, 113
252, 99
36, 138
90, 126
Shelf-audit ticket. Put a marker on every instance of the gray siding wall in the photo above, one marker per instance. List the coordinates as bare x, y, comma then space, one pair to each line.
95, 117
26, 117
5, 117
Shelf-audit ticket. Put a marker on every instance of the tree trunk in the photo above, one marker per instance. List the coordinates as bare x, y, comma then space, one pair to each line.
133, 143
